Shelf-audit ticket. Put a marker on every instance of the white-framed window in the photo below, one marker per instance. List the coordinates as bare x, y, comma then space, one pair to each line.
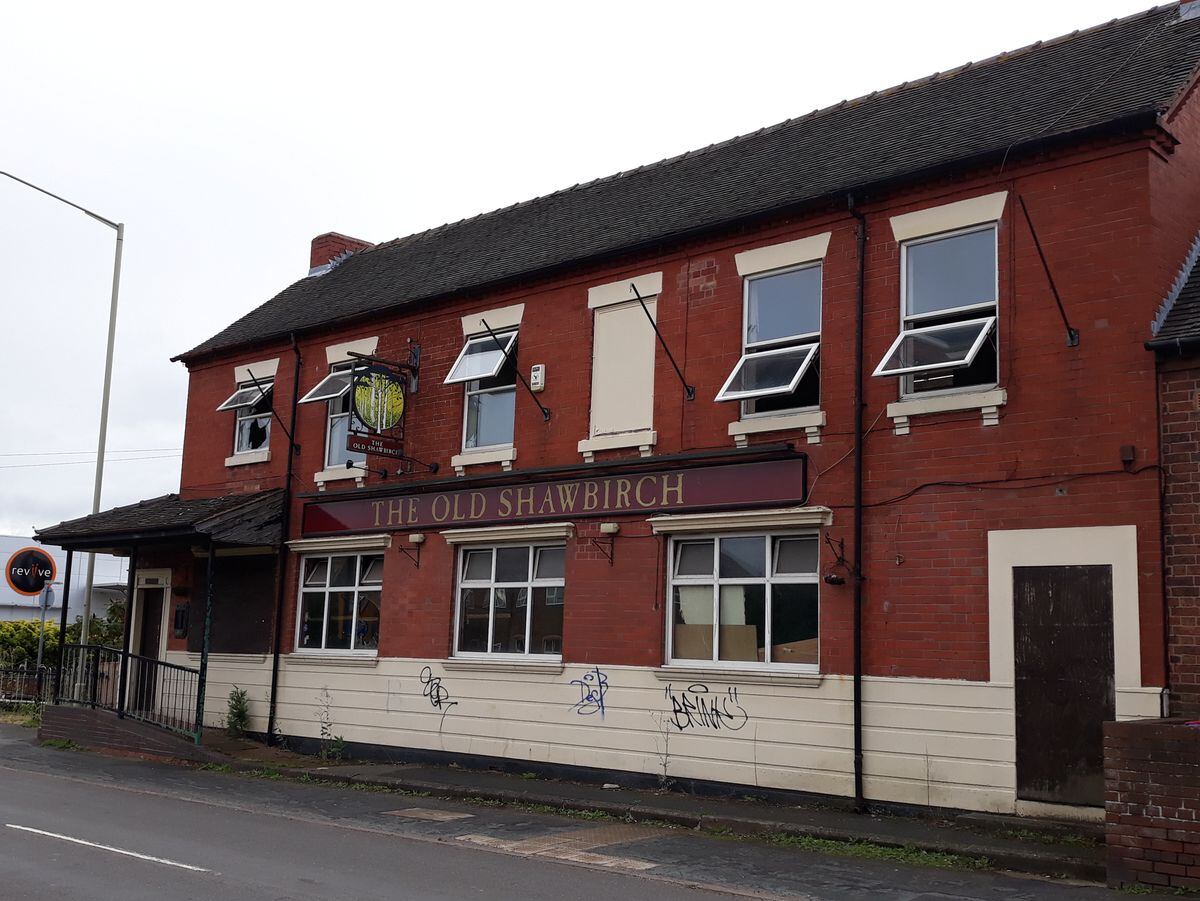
949, 295
744, 601
251, 404
510, 600
781, 335
339, 602
487, 368
334, 390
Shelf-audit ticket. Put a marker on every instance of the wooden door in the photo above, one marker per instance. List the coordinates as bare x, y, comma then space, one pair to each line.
150, 600
1063, 632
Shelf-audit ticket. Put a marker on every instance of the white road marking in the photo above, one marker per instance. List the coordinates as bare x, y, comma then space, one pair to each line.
79, 841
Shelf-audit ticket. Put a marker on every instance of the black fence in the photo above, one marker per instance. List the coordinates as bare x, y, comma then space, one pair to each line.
156, 692
26, 684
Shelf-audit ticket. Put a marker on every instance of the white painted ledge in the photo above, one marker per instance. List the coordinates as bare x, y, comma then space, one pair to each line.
811, 422
331, 658
780, 256
340, 353
262, 370
648, 286
780, 517
988, 403
682, 674
497, 320
335, 545
644, 441
339, 474
262, 456
194, 656
502, 455
541, 531
949, 216
551, 667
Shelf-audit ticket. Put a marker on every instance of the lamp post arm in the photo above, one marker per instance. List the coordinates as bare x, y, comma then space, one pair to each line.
84, 210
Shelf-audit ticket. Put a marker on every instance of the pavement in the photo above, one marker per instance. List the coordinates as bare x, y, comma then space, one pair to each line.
78, 825
1045, 848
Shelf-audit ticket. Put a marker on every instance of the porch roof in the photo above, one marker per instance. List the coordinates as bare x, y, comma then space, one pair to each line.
248, 520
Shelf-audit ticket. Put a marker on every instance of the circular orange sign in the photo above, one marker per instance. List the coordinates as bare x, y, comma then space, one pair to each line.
29, 571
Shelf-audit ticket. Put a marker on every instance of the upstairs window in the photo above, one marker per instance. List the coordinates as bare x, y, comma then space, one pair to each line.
334, 390
252, 404
781, 337
487, 366
949, 292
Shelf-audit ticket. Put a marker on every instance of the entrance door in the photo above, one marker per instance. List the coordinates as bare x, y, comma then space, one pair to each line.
1063, 631
150, 602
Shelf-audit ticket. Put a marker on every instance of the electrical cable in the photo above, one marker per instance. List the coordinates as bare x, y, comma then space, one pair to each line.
85, 462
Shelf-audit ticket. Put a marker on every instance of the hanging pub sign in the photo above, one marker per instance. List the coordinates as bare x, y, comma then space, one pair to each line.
29, 571
745, 485
377, 400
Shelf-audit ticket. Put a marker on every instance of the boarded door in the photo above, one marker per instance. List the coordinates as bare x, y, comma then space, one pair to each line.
1064, 680
145, 676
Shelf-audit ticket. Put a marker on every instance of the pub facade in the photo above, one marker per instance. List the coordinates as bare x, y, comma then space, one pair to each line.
822, 460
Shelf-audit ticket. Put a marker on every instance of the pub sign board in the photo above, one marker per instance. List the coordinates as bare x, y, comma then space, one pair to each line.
705, 488
29, 571
379, 401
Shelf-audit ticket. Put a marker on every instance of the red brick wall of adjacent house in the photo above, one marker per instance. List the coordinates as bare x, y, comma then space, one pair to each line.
1179, 399
1152, 806
1053, 461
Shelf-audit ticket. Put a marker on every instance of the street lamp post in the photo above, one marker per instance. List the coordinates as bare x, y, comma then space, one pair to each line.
119, 227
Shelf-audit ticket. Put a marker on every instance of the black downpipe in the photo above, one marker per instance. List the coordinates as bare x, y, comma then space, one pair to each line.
62, 628
857, 575
281, 562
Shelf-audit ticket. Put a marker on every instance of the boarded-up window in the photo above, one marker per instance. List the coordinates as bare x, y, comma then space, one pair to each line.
622, 369
243, 605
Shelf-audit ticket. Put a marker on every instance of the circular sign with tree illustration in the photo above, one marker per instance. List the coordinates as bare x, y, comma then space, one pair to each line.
378, 399
29, 571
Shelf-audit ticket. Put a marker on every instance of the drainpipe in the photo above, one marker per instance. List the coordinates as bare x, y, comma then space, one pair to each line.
281, 563
857, 575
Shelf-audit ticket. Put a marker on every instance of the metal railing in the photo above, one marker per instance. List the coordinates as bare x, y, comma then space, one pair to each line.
156, 692
26, 684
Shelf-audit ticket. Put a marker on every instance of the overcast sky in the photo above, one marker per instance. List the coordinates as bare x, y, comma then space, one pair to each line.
227, 135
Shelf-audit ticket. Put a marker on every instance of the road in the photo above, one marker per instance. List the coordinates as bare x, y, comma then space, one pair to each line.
76, 825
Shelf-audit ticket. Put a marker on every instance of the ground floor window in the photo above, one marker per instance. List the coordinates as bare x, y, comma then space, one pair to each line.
510, 600
339, 602
744, 599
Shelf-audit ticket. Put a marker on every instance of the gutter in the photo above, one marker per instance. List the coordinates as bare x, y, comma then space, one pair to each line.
1181, 346
282, 561
857, 575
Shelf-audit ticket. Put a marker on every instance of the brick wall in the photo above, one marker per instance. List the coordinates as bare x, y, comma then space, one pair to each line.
1152, 782
1053, 461
102, 729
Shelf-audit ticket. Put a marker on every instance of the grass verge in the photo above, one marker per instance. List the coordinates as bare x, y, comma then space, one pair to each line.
866, 851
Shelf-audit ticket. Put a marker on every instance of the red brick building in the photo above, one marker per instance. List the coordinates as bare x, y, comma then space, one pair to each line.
825, 459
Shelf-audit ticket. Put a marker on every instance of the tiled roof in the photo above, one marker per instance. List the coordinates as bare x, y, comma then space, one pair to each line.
245, 519
1178, 318
1127, 68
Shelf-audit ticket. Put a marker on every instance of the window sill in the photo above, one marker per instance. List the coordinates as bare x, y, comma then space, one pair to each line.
811, 421
677, 671
340, 474
262, 456
551, 667
227, 658
987, 402
502, 455
333, 659
643, 441
780, 518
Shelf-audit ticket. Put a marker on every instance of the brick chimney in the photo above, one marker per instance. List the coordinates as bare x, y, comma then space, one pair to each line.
328, 247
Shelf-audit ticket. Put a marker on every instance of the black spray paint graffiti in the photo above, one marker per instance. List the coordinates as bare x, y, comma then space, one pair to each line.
696, 707
439, 696
593, 687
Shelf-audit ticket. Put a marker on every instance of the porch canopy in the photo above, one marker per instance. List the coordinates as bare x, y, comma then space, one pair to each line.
232, 520
165, 694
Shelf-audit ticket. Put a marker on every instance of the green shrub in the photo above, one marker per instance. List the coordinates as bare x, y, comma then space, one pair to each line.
237, 719
19, 638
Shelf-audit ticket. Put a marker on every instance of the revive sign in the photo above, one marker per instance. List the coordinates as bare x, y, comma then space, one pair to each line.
29, 571
706, 488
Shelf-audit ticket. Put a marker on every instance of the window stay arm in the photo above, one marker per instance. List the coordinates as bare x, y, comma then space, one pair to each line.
688, 390
520, 375
255, 382
1072, 334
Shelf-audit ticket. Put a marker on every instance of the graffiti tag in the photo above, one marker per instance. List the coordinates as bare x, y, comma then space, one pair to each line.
696, 707
438, 694
593, 687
